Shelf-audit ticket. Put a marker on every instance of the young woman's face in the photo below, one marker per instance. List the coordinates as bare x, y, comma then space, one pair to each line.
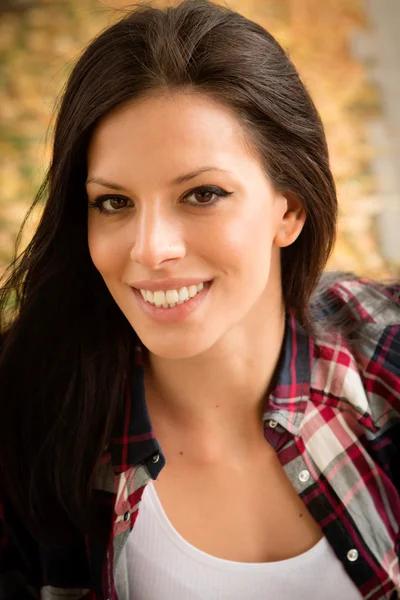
183, 202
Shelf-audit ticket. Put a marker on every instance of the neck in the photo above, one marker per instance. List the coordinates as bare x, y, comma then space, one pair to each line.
221, 393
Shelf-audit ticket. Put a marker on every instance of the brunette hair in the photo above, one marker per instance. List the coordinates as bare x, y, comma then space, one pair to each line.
66, 346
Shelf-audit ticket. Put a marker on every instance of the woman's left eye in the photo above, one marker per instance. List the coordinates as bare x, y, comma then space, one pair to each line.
206, 195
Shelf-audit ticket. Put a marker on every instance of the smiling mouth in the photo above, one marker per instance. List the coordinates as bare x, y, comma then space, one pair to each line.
179, 311
172, 298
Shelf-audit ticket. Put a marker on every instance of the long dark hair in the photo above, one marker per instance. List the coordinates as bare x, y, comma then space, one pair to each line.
65, 343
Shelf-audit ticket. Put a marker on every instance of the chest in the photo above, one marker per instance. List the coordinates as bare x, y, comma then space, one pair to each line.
243, 510
249, 511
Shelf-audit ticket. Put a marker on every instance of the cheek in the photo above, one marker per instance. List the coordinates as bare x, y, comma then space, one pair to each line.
246, 241
106, 252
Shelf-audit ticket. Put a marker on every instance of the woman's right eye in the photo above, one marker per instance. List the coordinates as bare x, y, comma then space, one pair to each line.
109, 205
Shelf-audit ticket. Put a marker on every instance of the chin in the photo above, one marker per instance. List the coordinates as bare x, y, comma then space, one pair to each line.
175, 346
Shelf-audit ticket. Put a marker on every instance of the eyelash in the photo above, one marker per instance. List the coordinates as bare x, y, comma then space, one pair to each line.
216, 191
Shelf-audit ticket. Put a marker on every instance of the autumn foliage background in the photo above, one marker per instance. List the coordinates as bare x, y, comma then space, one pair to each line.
39, 46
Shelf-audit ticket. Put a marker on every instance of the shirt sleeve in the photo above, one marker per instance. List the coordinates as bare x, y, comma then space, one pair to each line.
378, 354
382, 376
367, 314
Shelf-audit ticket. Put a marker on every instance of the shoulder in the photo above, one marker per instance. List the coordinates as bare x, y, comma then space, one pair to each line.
352, 301
357, 338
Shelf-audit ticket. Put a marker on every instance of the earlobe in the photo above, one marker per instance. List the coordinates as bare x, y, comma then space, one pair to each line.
285, 238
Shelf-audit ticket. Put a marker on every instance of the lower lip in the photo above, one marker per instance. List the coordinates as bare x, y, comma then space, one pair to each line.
176, 314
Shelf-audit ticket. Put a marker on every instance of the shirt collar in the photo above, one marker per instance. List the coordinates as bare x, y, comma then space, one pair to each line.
287, 402
133, 440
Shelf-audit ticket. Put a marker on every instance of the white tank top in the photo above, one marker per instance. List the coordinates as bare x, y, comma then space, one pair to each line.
157, 563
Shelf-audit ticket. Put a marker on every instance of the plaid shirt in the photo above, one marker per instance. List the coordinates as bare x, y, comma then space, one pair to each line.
334, 420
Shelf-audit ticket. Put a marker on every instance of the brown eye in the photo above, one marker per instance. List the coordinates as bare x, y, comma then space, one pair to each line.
110, 205
115, 203
203, 196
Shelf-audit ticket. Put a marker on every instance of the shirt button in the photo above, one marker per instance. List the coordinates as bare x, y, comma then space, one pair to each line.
352, 555
272, 424
155, 458
126, 515
304, 476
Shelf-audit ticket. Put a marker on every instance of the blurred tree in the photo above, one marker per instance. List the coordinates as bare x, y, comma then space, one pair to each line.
16, 5
39, 46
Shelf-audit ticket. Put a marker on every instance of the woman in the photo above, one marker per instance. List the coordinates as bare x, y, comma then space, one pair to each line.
188, 410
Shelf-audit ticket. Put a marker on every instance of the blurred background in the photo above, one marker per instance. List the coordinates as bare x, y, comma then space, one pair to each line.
347, 52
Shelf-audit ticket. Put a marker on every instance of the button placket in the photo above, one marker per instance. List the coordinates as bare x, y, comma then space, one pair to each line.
126, 516
304, 476
352, 555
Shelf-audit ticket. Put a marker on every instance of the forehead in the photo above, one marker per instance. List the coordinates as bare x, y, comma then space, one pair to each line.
159, 128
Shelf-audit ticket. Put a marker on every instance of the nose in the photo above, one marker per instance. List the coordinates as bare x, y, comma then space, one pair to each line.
158, 238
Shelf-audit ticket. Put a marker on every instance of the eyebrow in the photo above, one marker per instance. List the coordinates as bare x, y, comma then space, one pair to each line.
176, 181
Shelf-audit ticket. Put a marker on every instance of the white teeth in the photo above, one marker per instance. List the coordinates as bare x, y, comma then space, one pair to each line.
183, 294
171, 298
159, 298
192, 290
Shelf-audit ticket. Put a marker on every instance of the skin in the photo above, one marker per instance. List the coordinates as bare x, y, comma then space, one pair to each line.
207, 376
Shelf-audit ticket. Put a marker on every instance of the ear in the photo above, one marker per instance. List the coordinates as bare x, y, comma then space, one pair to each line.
290, 221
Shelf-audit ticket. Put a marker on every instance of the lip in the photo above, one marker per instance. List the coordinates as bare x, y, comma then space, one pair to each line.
166, 284
176, 314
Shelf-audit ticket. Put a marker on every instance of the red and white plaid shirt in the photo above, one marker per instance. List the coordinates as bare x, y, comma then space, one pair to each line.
333, 418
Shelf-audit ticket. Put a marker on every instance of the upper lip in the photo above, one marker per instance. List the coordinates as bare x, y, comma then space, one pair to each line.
166, 284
